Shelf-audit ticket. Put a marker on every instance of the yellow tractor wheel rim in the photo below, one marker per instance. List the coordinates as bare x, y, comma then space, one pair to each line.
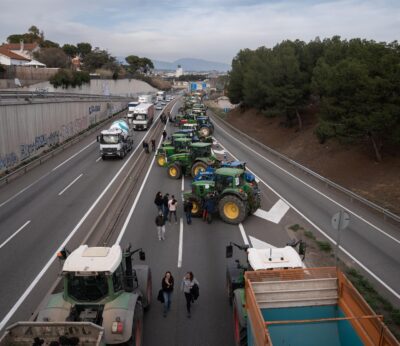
198, 169
231, 210
161, 160
173, 172
195, 208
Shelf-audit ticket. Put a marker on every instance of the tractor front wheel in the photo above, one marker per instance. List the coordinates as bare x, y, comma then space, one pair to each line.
204, 131
137, 328
196, 209
175, 171
161, 160
232, 209
198, 167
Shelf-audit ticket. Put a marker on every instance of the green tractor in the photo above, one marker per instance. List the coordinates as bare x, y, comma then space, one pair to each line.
179, 143
193, 162
234, 197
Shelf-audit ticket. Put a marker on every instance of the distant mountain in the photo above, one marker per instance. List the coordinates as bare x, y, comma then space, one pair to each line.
191, 64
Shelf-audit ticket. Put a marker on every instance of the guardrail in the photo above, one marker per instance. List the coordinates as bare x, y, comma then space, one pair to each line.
44, 94
38, 161
353, 196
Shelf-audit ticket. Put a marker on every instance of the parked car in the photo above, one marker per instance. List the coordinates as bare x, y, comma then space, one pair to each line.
159, 106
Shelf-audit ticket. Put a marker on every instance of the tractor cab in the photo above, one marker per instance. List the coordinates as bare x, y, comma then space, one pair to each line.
200, 149
182, 144
228, 178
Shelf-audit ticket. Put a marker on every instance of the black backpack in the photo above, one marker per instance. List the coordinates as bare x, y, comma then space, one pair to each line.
195, 292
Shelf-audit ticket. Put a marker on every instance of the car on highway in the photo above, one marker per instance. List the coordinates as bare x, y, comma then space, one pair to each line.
159, 106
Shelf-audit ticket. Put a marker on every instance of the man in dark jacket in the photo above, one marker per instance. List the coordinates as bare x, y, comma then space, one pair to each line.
160, 223
187, 208
158, 201
165, 206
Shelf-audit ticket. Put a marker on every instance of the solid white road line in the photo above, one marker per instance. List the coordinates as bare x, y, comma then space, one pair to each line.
183, 183
275, 214
15, 233
98, 159
377, 278
180, 249
243, 233
313, 188
44, 176
21, 299
70, 184
70, 158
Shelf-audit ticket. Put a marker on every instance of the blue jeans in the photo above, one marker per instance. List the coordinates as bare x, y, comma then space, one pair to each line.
188, 217
167, 301
166, 211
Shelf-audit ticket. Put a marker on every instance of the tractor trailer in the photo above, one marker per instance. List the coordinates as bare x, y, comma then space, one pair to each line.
141, 116
117, 141
102, 302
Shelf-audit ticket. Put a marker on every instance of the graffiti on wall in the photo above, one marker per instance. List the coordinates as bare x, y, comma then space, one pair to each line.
8, 160
28, 149
92, 113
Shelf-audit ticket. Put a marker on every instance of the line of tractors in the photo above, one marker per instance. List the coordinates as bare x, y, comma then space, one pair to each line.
188, 151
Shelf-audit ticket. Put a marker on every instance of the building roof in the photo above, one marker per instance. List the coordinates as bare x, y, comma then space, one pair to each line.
17, 46
11, 55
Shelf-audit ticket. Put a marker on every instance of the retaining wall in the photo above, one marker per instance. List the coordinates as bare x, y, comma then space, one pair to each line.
28, 129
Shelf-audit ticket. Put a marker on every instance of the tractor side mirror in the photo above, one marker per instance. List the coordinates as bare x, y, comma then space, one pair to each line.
142, 255
229, 251
62, 254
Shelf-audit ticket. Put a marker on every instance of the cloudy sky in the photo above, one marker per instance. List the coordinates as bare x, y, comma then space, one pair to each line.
208, 29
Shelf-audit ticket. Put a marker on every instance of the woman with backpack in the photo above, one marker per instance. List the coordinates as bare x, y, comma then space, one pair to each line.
190, 287
167, 286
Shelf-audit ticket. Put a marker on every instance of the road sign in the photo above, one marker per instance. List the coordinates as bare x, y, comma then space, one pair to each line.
340, 220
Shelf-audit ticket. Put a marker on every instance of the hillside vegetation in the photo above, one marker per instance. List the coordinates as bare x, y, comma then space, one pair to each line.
354, 86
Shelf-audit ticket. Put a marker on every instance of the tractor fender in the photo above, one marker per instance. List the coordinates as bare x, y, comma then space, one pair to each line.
239, 299
57, 309
143, 274
235, 275
123, 307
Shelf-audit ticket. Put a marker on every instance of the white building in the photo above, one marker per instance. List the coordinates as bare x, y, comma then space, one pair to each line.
179, 71
8, 58
23, 49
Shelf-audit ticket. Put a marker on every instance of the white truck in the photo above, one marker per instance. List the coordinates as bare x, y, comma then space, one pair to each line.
141, 116
145, 98
160, 95
117, 140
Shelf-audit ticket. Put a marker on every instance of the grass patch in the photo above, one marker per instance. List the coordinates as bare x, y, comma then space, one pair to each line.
295, 227
324, 246
309, 235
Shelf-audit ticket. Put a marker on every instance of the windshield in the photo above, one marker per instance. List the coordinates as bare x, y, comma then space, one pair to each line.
109, 139
140, 116
223, 181
87, 288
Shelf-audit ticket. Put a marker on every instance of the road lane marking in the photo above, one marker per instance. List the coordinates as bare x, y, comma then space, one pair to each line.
70, 184
180, 249
376, 277
70, 158
98, 159
243, 233
313, 188
259, 244
275, 214
42, 177
15, 233
183, 183
32, 285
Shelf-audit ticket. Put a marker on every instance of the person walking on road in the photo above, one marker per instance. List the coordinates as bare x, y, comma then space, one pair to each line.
153, 145
167, 285
172, 204
188, 283
187, 208
164, 135
160, 223
158, 201
165, 206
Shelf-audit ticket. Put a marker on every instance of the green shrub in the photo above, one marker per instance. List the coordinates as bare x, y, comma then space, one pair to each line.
67, 78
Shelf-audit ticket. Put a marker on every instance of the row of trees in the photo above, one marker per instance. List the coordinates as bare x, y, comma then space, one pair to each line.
355, 83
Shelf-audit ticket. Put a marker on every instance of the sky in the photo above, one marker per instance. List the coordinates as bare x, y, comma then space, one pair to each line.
206, 29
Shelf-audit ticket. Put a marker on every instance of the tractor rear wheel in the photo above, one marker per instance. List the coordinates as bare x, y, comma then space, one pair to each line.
232, 209
175, 171
198, 167
196, 209
240, 329
204, 131
137, 327
161, 160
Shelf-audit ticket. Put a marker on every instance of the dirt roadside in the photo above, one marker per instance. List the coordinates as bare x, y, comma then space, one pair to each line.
351, 167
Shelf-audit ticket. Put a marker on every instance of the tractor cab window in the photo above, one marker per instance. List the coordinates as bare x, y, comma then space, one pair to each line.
109, 139
222, 182
202, 152
117, 278
86, 288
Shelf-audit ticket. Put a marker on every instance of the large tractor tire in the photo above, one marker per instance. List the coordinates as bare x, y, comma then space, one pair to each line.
137, 327
232, 209
204, 131
143, 274
239, 320
197, 167
196, 210
175, 171
161, 160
